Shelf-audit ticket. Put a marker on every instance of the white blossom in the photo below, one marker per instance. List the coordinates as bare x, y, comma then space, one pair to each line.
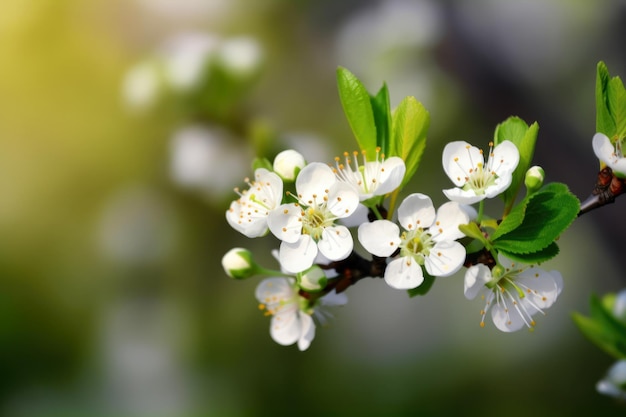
515, 296
248, 214
372, 178
292, 320
428, 239
609, 153
465, 166
308, 225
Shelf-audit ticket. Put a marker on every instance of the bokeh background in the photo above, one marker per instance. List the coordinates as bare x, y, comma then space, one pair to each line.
117, 162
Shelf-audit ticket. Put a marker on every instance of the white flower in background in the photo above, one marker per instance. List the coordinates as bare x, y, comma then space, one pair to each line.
142, 85
373, 178
207, 158
291, 313
288, 164
186, 57
465, 166
240, 56
514, 297
308, 226
249, 213
614, 382
610, 154
428, 239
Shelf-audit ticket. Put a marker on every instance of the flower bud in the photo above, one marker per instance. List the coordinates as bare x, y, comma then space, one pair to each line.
238, 263
313, 279
534, 179
288, 164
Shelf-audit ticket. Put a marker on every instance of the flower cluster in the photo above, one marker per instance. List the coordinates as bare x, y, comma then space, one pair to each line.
316, 211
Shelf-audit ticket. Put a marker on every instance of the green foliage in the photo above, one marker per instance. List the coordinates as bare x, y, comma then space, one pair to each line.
382, 118
610, 104
262, 163
402, 134
602, 328
524, 137
529, 232
410, 122
357, 105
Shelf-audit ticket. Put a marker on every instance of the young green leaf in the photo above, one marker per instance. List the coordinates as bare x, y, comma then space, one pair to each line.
382, 118
543, 255
410, 122
610, 104
554, 203
617, 106
604, 121
357, 106
602, 329
524, 137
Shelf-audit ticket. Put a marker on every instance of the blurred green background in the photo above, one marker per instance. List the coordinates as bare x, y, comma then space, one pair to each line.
112, 296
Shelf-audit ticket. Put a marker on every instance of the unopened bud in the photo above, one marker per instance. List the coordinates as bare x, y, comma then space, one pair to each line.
238, 263
313, 279
534, 179
288, 164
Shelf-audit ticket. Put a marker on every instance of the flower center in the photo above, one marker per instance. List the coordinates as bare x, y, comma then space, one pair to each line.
416, 244
315, 220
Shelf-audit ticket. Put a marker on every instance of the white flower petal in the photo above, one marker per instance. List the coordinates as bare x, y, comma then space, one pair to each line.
249, 225
274, 291
445, 258
603, 148
505, 158
297, 256
286, 328
463, 196
507, 319
458, 159
449, 217
404, 274
313, 183
336, 242
541, 288
307, 331
415, 211
342, 200
380, 238
358, 217
476, 277
286, 222
499, 186
390, 175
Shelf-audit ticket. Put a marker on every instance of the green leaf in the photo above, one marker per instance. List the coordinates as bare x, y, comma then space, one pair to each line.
545, 215
262, 163
382, 118
617, 106
410, 122
358, 109
604, 121
543, 255
524, 137
602, 329
610, 104
472, 230
424, 288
